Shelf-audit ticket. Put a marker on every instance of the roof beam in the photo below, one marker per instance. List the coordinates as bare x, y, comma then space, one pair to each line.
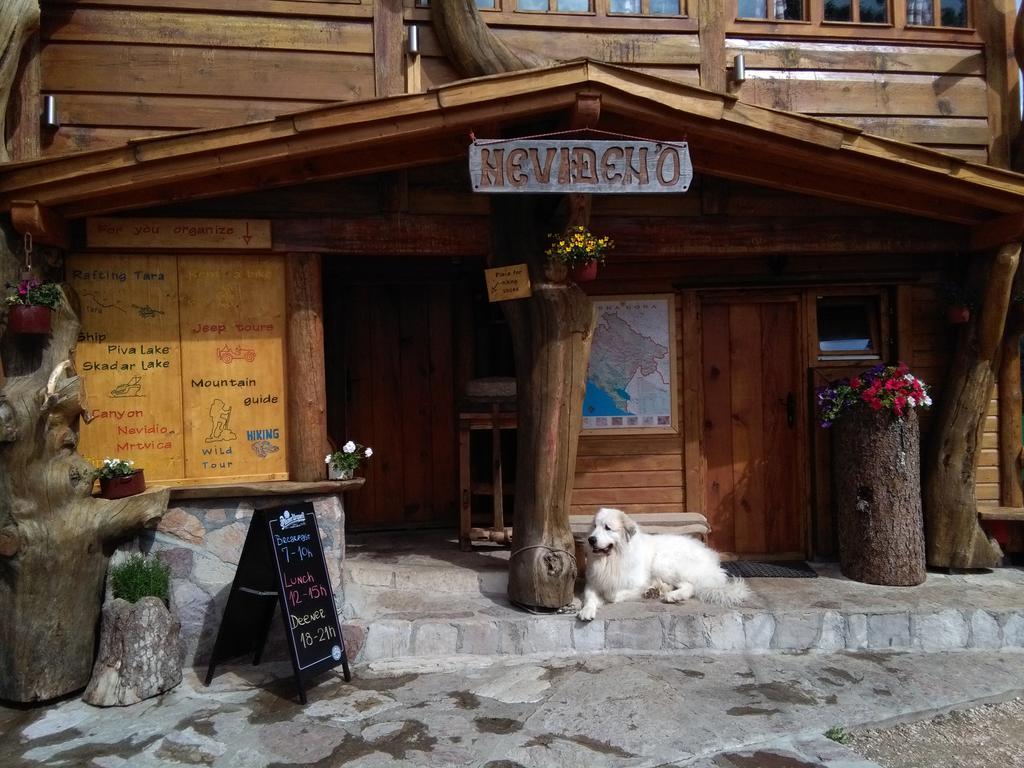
998, 231
46, 226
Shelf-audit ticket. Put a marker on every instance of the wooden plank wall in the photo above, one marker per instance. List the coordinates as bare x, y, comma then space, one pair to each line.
931, 95
145, 67
123, 71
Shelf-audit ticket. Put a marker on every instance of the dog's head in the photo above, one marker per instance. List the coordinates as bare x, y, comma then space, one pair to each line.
612, 528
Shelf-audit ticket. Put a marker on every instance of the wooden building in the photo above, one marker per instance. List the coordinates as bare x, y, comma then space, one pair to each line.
267, 214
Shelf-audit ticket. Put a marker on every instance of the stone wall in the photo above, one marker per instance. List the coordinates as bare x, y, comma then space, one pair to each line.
201, 541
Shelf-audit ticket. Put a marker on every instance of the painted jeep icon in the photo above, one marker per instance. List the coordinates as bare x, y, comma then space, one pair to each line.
228, 355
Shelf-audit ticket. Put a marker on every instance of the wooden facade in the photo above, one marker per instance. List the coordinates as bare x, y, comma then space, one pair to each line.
817, 176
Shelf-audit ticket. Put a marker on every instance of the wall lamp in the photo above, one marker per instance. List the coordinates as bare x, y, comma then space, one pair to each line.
413, 40
49, 117
739, 68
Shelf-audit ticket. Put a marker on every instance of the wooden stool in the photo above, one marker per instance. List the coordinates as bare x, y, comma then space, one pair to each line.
495, 412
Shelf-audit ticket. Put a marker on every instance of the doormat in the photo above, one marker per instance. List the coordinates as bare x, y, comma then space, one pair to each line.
790, 569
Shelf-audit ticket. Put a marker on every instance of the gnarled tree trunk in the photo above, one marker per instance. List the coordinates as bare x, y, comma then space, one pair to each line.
551, 334
954, 536
53, 533
19, 20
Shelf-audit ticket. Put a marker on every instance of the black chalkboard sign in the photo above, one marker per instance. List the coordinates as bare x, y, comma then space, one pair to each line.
283, 562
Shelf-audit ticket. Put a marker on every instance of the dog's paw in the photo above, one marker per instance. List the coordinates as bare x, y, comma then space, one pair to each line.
587, 613
652, 593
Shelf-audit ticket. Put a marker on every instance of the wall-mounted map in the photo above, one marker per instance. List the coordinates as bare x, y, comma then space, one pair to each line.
631, 379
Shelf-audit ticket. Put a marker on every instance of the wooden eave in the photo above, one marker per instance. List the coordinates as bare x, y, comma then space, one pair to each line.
728, 138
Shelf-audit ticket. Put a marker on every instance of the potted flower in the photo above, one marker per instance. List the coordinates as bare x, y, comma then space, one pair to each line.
580, 251
341, 465
876, 473
31, 304
890, 388
119, 478
958, 306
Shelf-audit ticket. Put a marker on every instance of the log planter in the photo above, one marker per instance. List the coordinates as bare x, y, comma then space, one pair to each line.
139, 653
876, 478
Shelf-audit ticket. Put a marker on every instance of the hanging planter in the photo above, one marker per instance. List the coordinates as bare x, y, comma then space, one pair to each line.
30, 304
585, 273
579, 251
27, 319
958, 315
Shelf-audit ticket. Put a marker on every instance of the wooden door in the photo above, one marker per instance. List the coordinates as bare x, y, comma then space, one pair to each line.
754, 426
400, 402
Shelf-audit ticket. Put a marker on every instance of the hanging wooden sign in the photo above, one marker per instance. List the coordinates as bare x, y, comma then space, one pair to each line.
511, 282
626, 166
234, 234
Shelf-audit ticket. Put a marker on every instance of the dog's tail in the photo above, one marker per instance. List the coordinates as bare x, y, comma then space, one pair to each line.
732, 592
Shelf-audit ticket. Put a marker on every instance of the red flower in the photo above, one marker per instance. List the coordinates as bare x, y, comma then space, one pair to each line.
855, 382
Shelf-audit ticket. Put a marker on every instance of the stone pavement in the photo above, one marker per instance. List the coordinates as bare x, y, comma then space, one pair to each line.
447, 673
727, 710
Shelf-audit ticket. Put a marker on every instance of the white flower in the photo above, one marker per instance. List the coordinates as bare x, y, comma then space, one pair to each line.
908, 377
927, 400
368, 453
349, 447
327, 459
911, 402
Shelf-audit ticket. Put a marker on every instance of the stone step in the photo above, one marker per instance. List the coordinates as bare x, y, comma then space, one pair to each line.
427, 579
444, 628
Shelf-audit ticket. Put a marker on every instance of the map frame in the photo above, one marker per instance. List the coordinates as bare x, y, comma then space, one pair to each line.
672, 310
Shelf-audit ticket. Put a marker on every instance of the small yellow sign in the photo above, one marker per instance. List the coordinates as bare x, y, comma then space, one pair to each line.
511, 282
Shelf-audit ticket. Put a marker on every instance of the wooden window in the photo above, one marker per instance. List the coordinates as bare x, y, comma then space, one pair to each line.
644, 8
487, 5
553, 6
849, 327
938, 13
857, 11
773, 10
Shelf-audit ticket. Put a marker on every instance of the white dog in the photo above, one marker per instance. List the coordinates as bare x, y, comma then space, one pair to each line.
627, 564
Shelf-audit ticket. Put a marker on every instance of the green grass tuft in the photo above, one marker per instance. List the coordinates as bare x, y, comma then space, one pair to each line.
140, 576
837, 734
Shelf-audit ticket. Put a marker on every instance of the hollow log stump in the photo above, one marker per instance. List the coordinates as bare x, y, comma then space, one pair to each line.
876, 476
54, 535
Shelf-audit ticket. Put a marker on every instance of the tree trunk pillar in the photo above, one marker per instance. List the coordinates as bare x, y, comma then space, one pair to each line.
877, 490
307, 388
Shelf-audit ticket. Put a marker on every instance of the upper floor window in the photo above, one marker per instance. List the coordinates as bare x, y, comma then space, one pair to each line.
937, 13
645, 7
949, 14
773, 10
857, 11
554, 6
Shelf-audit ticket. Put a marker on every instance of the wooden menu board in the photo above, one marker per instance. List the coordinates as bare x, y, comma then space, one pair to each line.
232, 325
282, 562
129, 356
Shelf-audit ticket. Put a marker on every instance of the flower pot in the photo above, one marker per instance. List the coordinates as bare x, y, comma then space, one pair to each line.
29, 319
584, 273
958, 315
119, 487
333, 473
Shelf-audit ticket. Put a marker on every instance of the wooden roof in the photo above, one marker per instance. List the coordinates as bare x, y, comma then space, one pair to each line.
728, 138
